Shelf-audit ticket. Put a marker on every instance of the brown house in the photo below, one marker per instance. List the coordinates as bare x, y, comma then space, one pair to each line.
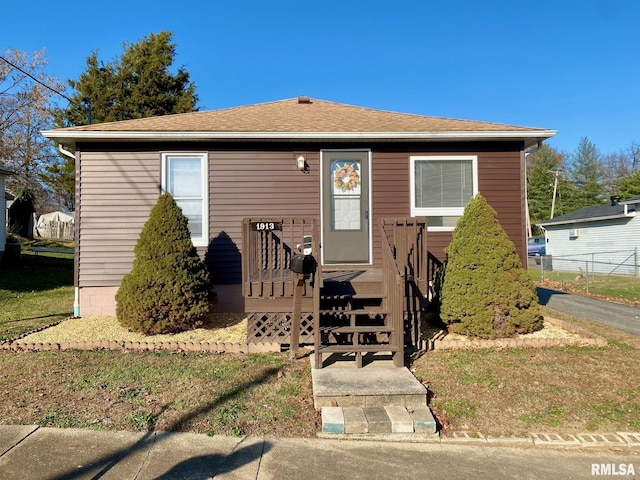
335, 177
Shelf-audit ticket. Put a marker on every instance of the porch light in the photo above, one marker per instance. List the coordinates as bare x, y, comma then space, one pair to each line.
302, 163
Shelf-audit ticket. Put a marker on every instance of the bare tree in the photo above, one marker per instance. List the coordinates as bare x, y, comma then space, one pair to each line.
25, 110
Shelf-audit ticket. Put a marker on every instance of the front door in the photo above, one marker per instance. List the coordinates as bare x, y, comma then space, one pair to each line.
345, 206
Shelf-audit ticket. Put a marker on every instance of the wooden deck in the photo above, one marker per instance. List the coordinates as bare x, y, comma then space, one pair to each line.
355, 309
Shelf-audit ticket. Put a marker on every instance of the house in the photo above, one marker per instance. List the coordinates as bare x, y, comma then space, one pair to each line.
332, 171
600, 239
4, 206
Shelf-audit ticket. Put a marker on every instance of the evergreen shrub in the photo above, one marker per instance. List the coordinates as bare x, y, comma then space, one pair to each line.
167, 289
482, 289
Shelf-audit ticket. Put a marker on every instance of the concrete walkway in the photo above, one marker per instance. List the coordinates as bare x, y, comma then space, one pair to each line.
29, 452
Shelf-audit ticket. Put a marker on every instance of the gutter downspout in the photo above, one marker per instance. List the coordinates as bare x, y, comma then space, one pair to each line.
76, 294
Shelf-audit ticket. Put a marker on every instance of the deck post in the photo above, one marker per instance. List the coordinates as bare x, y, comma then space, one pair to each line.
298, 283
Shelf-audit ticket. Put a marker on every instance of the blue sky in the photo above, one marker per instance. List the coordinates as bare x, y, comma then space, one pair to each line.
566, 65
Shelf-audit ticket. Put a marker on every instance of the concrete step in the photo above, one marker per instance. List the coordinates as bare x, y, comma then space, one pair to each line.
377, 384
373, 421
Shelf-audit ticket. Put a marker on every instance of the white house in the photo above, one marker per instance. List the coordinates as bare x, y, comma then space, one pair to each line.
3, 208
600, 239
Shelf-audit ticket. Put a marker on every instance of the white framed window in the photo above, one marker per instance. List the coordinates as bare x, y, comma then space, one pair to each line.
184, 176
441, 186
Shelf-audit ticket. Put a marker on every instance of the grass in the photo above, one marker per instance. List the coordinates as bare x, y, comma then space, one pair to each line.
210, 394
36, 292
512, 391
623, 288
516, 391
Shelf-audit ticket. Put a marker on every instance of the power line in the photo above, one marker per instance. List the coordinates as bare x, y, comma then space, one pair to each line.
86, 100
37, 81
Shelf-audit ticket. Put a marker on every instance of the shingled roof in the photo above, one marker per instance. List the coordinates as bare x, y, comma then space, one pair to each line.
596, 213
299, 118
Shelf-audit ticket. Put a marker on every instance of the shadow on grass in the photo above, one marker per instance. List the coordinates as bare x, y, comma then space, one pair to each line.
196, 467
37, 274
56, 316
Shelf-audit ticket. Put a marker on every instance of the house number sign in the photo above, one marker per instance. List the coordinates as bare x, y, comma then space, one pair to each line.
266, 226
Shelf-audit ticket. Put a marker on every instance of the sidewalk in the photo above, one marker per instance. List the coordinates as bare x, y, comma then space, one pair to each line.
30, 452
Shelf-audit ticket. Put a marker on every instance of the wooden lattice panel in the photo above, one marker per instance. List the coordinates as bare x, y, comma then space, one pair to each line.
276, 328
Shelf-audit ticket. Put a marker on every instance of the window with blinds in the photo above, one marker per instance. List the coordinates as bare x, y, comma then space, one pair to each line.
441, 186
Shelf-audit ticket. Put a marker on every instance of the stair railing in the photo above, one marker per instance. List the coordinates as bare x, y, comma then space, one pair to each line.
393, 284
407, 241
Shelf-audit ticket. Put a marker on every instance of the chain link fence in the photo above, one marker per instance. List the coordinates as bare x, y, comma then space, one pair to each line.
588, 265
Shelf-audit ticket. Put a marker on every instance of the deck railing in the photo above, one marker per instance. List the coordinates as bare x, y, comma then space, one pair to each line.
268, 246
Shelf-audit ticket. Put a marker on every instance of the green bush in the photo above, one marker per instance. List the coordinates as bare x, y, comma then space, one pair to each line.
483, 290
167, 289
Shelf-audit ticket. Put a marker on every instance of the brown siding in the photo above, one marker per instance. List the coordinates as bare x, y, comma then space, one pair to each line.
500, 181
116, 193
254, 184
119, 188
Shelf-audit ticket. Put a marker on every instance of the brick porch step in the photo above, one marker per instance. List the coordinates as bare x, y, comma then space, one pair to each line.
378, 420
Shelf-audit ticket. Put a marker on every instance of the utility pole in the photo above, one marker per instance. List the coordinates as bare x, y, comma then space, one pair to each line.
555, 189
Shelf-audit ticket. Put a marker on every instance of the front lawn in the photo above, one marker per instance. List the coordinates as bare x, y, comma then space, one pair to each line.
517, 391
36, 292
495, 392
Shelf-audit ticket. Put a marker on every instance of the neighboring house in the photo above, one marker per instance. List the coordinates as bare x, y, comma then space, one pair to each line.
344, 167
601, 239
4, 206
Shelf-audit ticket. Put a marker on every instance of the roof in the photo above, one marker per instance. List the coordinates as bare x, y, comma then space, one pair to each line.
592, 214
298, 119
632, 200
5, 172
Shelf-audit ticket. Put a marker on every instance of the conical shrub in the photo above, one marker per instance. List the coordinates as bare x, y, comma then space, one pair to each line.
483, 290
167, 289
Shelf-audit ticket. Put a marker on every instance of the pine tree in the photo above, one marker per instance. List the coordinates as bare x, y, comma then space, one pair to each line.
138, 85
587, 174
630, 186
542, 168
167, 289
485, 291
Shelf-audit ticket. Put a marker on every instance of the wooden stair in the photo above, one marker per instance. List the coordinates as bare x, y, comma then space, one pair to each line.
353, 320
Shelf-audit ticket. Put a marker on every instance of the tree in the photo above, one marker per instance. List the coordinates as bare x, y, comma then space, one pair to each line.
484, 291
24, 112
620, 169
630, 186
616, 167
139, 84
587, 174
543, 166
167, 289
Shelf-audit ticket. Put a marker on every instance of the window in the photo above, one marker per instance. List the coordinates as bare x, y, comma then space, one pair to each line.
441, 186
184, 176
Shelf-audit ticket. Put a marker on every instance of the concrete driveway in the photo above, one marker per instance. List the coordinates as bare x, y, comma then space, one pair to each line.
616, 315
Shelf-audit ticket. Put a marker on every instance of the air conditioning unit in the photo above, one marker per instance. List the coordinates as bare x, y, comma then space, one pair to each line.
574, 233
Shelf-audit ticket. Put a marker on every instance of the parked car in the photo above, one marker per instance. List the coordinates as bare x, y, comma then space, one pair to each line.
536, 246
